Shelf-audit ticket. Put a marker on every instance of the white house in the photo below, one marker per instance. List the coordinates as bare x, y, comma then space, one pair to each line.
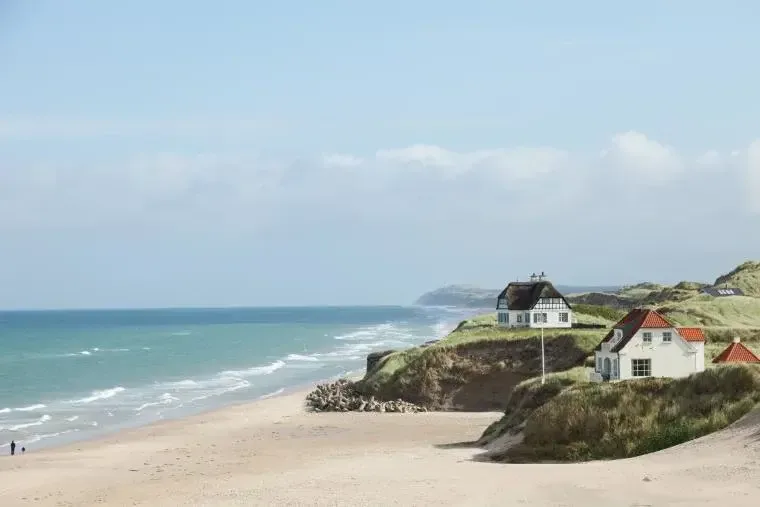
533, 304
645, 344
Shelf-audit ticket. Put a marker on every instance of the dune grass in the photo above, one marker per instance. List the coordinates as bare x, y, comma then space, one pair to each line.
625, 419
485, 328
734, 312
745, 276
530, 395
481, 353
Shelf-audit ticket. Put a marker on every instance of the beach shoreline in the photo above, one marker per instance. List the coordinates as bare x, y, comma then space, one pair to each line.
275, 452
301, 389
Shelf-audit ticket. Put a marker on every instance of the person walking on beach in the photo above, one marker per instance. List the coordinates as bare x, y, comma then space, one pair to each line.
13, 447
23, 450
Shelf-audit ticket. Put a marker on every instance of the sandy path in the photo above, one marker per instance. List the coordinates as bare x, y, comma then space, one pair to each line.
273, 453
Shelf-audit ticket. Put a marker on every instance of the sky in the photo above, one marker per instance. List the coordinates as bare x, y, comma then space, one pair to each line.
187, 153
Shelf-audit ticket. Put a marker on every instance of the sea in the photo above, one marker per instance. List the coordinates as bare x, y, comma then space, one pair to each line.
75, 375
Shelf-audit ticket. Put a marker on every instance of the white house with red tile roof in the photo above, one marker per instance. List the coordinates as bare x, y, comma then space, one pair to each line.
645, 344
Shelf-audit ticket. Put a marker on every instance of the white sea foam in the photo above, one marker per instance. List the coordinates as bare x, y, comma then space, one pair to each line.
5, 410
30, 408
39, 422
256, 370
367, 333
36, 438
72, 418
299, 357
272, 394
86, 353
99, 395
164, 399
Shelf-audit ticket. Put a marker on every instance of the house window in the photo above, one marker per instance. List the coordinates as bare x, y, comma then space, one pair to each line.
598, 364
539, 317
563, 316
647, 338
614, 368
519, 317
506, 318
667, 337
641, 367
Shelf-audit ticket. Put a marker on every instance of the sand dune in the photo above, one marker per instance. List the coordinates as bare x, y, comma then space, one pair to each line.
273, 453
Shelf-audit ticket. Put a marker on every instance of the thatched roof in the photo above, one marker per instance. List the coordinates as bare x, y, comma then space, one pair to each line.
525, 295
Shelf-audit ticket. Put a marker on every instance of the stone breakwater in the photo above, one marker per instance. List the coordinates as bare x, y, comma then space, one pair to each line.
342, 396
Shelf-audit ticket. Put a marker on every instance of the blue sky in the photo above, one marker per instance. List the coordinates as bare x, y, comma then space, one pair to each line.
249, 153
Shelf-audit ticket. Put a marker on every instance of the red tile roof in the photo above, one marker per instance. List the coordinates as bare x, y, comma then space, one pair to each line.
652, 319
736, 353
691, 334
639, 318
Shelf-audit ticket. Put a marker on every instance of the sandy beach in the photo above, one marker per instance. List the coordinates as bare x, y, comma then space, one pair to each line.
273, 452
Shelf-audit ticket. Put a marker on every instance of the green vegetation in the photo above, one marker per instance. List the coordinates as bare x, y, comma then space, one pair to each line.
605, 313
707, 311
745, 276
476, 366
625, 419
528, 396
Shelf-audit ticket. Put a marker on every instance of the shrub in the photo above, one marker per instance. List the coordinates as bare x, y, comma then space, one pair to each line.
624, 419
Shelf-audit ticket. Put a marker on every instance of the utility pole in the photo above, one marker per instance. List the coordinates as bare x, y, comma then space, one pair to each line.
543, 357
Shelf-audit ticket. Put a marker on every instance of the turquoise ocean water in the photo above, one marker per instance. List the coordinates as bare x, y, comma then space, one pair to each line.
70, 375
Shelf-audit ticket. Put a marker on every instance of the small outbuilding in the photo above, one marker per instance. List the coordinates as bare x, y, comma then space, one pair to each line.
737, 352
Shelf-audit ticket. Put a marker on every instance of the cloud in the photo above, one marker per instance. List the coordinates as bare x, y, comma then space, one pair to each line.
341, 160
710, 158
643, 159
522, 163
424, 184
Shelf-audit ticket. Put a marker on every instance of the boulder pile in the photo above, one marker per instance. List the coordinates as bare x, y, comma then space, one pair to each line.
342, 396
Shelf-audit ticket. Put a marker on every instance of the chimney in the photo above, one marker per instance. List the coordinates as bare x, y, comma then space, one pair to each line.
737, 339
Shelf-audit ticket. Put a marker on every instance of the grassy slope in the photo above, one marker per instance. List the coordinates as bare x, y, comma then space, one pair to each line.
617, 420
746, 276
476, 366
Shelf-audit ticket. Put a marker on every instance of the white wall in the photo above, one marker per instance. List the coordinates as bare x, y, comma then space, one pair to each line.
675, 359
700, 346
552, 319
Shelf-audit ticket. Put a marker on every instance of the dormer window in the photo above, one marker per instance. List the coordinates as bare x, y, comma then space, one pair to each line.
617, 336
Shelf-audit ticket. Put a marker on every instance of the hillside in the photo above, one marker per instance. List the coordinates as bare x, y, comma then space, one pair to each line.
476, 366
746, 277
568, 421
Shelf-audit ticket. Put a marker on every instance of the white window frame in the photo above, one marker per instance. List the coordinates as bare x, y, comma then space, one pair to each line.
646, 337
667, 337
564, 316
599, 364
519, 318
536, 318
641, 368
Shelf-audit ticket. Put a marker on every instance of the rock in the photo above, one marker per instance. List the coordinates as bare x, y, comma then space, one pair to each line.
375, 357
342, 396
